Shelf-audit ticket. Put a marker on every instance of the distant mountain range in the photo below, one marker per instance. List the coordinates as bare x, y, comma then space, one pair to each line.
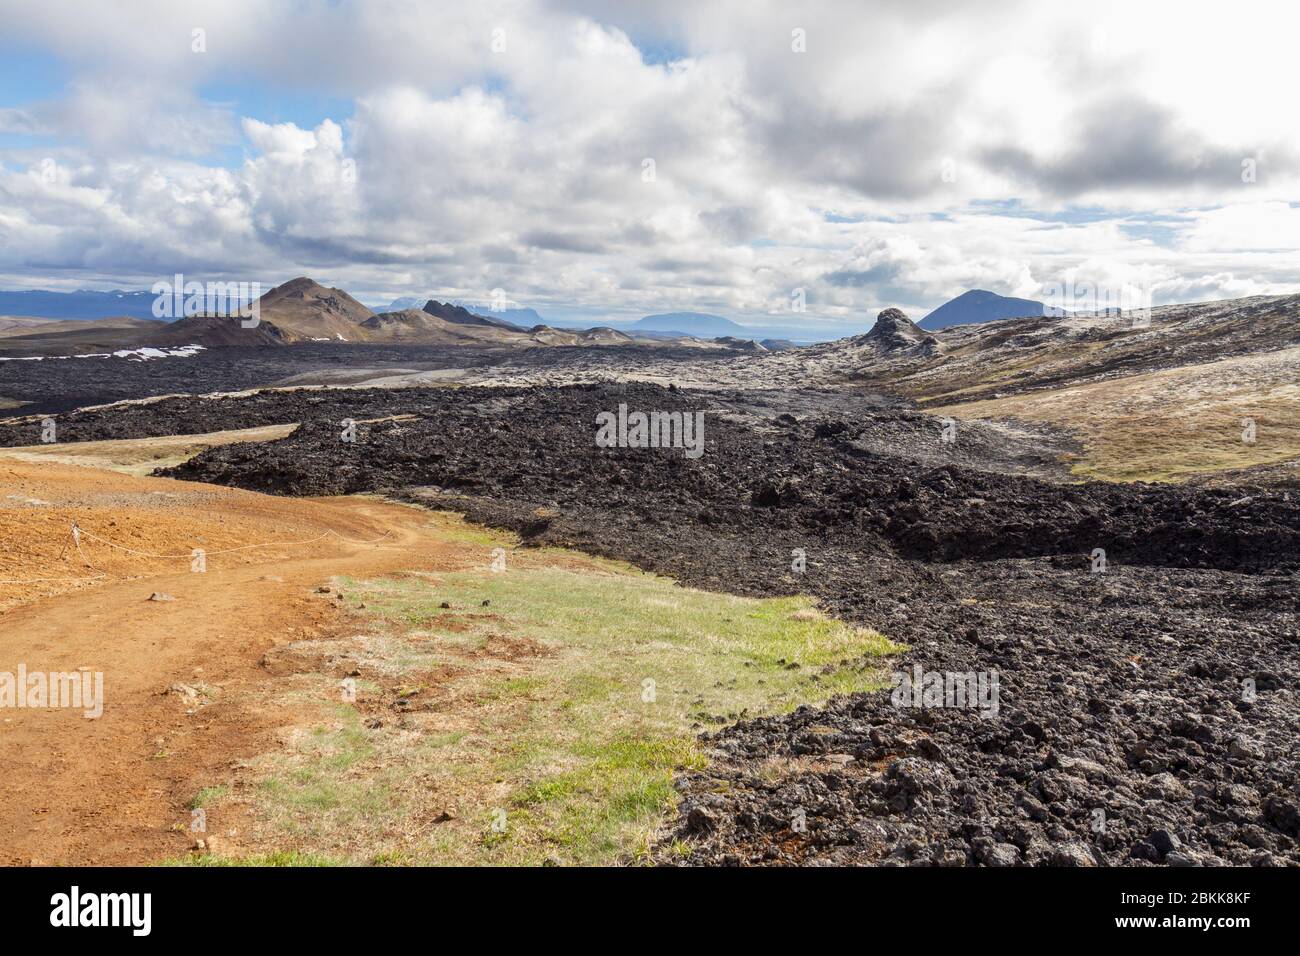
979, 306
973, 307
300, 310
307, 311
519, 318
663, 326
82, 304
690, 323
87, 304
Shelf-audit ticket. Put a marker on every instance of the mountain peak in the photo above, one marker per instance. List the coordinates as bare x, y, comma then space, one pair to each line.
894, 324
298, 287
975, 306
894, 319
305, 309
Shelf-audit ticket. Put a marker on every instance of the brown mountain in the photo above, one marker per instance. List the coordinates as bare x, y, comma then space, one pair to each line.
304, 310
462, 316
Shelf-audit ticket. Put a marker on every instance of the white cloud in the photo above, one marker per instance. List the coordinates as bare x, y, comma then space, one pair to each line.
462, 169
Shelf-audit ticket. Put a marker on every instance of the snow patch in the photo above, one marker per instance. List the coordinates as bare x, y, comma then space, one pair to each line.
145, 354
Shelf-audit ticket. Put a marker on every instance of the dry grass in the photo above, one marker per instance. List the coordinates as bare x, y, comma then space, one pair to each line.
140, 456
1174, 424
949, 383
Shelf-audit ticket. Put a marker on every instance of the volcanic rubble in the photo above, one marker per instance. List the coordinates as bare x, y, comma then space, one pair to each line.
1146, 708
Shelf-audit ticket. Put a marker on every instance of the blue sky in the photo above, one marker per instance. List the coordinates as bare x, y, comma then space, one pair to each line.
27, 75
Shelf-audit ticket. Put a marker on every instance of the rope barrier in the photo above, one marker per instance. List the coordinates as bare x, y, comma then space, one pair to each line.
76, 539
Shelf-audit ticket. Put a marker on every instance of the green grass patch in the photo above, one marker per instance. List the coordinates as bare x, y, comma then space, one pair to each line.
578, 696
208, 796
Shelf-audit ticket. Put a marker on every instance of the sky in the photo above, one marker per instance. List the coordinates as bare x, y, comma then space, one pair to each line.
771, 162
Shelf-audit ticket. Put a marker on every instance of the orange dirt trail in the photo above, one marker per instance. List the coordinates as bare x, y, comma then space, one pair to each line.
115, 790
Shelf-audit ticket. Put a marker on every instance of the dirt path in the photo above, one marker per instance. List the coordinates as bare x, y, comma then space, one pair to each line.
115, 789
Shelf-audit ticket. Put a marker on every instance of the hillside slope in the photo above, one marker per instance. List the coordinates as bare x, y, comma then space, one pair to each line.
417, 325
1012, 356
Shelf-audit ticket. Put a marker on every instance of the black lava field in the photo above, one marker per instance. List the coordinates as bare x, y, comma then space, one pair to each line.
1144, 637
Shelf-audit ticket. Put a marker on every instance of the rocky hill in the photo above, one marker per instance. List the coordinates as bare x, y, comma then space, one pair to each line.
459, 315
303, 309
895, 333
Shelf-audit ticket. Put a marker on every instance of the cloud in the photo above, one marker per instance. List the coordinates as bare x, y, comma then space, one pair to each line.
509, 145
1128, 143
18, 121
560, 241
